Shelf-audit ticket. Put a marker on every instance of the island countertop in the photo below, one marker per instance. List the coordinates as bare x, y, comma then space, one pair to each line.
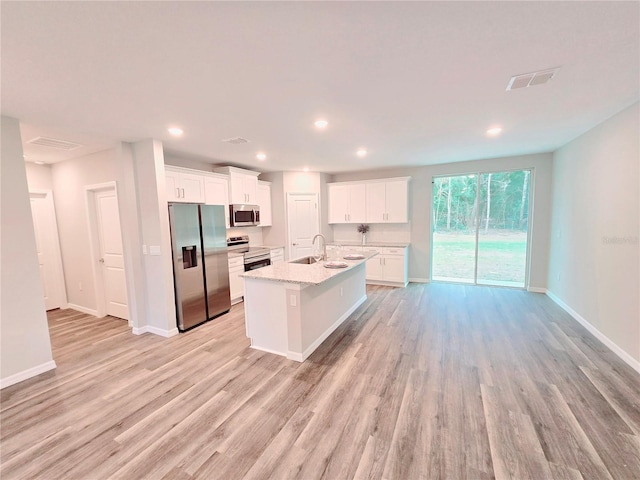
314, 274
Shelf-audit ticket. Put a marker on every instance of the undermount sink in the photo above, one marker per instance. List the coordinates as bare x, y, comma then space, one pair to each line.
305, 261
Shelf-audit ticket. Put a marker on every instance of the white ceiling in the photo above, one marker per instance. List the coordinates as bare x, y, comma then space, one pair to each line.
416, 83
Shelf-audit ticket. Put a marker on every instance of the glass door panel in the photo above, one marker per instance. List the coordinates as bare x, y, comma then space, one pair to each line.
480, 228
503, 224
453, 256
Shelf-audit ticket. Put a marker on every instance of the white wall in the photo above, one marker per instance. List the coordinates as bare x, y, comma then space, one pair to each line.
594, 255
69, 179
25, 347
420, 207
39, 176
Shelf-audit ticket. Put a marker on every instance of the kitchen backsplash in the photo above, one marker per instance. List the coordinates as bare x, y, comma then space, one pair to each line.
255, 234
380, 232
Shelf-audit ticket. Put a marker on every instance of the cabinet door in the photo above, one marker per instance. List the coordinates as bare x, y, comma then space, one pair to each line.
236, 283
192, 188
376, 204
397, 210
374, 268
357, 203
338, 201
264, 200
250, 188
393, 266
172, 186
216, 192
237, 194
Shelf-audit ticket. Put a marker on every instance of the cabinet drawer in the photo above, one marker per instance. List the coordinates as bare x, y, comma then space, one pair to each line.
236, 262
393, 251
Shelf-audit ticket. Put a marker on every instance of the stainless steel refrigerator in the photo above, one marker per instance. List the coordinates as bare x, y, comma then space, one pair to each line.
200, 265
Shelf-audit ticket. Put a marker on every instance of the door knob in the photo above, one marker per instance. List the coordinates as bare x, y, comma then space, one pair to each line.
294, 244
101, 260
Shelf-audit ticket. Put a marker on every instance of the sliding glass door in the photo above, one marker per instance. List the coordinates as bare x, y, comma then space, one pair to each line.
480, 228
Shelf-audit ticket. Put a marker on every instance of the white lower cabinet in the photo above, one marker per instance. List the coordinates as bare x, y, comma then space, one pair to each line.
277, 255
389, 267
236, 282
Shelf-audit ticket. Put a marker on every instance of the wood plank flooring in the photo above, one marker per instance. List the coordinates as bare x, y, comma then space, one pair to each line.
431, 381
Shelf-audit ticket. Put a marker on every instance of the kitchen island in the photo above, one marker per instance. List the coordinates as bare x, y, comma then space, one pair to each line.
290, 308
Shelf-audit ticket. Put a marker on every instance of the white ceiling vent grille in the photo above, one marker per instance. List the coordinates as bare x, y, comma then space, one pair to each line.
235, 140
531, 79
54, 143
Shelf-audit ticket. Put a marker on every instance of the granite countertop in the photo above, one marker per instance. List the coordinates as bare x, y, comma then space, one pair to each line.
271, 247
370, 244
302, 274
234, 253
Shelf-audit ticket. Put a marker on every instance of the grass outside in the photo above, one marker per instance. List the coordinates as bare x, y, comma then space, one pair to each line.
501, 257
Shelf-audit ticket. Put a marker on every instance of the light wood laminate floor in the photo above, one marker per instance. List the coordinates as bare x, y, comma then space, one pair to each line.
431, 381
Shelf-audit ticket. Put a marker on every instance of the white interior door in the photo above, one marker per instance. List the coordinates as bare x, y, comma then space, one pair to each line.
303, 223
46, 233
111, 255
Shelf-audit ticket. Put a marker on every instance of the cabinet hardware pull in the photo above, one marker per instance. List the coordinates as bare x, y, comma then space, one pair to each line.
177, 193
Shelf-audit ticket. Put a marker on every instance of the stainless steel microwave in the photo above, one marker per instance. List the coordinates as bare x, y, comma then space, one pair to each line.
242, 215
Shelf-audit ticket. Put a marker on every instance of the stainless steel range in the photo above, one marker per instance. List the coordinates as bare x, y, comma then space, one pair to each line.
254, 257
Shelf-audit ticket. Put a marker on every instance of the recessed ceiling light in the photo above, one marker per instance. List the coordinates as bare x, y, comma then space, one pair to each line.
261, 156
492, 132
321, 123
362, 152
175, 131
39, 162
306, 169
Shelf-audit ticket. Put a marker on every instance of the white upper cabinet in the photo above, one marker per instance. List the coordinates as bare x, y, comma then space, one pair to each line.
243, 184
183, 187
216, 192
376, 201
263, 193
347, 203
387, 201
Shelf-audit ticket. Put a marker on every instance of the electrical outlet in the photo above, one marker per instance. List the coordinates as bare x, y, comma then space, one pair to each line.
80, 286
341, 292
292, 300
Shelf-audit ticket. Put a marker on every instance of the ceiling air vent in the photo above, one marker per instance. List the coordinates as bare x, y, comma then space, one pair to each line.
531, 79
235, 140
54, 143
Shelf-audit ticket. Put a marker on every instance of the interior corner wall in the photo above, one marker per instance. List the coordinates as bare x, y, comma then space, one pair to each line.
39, 177
594, 250
69, 179
420, 206
25, 346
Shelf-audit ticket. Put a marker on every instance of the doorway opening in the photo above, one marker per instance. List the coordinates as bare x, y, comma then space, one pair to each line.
480, 228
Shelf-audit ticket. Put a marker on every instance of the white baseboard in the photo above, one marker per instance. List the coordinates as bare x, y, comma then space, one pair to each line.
301, 357
536, 290
155, 331
82, 309
386, 284
268, 350
624, 356
27, 374
419, 280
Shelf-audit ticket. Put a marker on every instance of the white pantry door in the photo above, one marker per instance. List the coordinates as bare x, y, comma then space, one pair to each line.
303, 223
111, 254
45, 229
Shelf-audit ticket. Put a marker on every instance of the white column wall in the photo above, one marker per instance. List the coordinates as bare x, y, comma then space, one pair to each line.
153, 218
25, 346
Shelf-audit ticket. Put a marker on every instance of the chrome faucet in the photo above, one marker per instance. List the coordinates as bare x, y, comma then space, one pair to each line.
324, 245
